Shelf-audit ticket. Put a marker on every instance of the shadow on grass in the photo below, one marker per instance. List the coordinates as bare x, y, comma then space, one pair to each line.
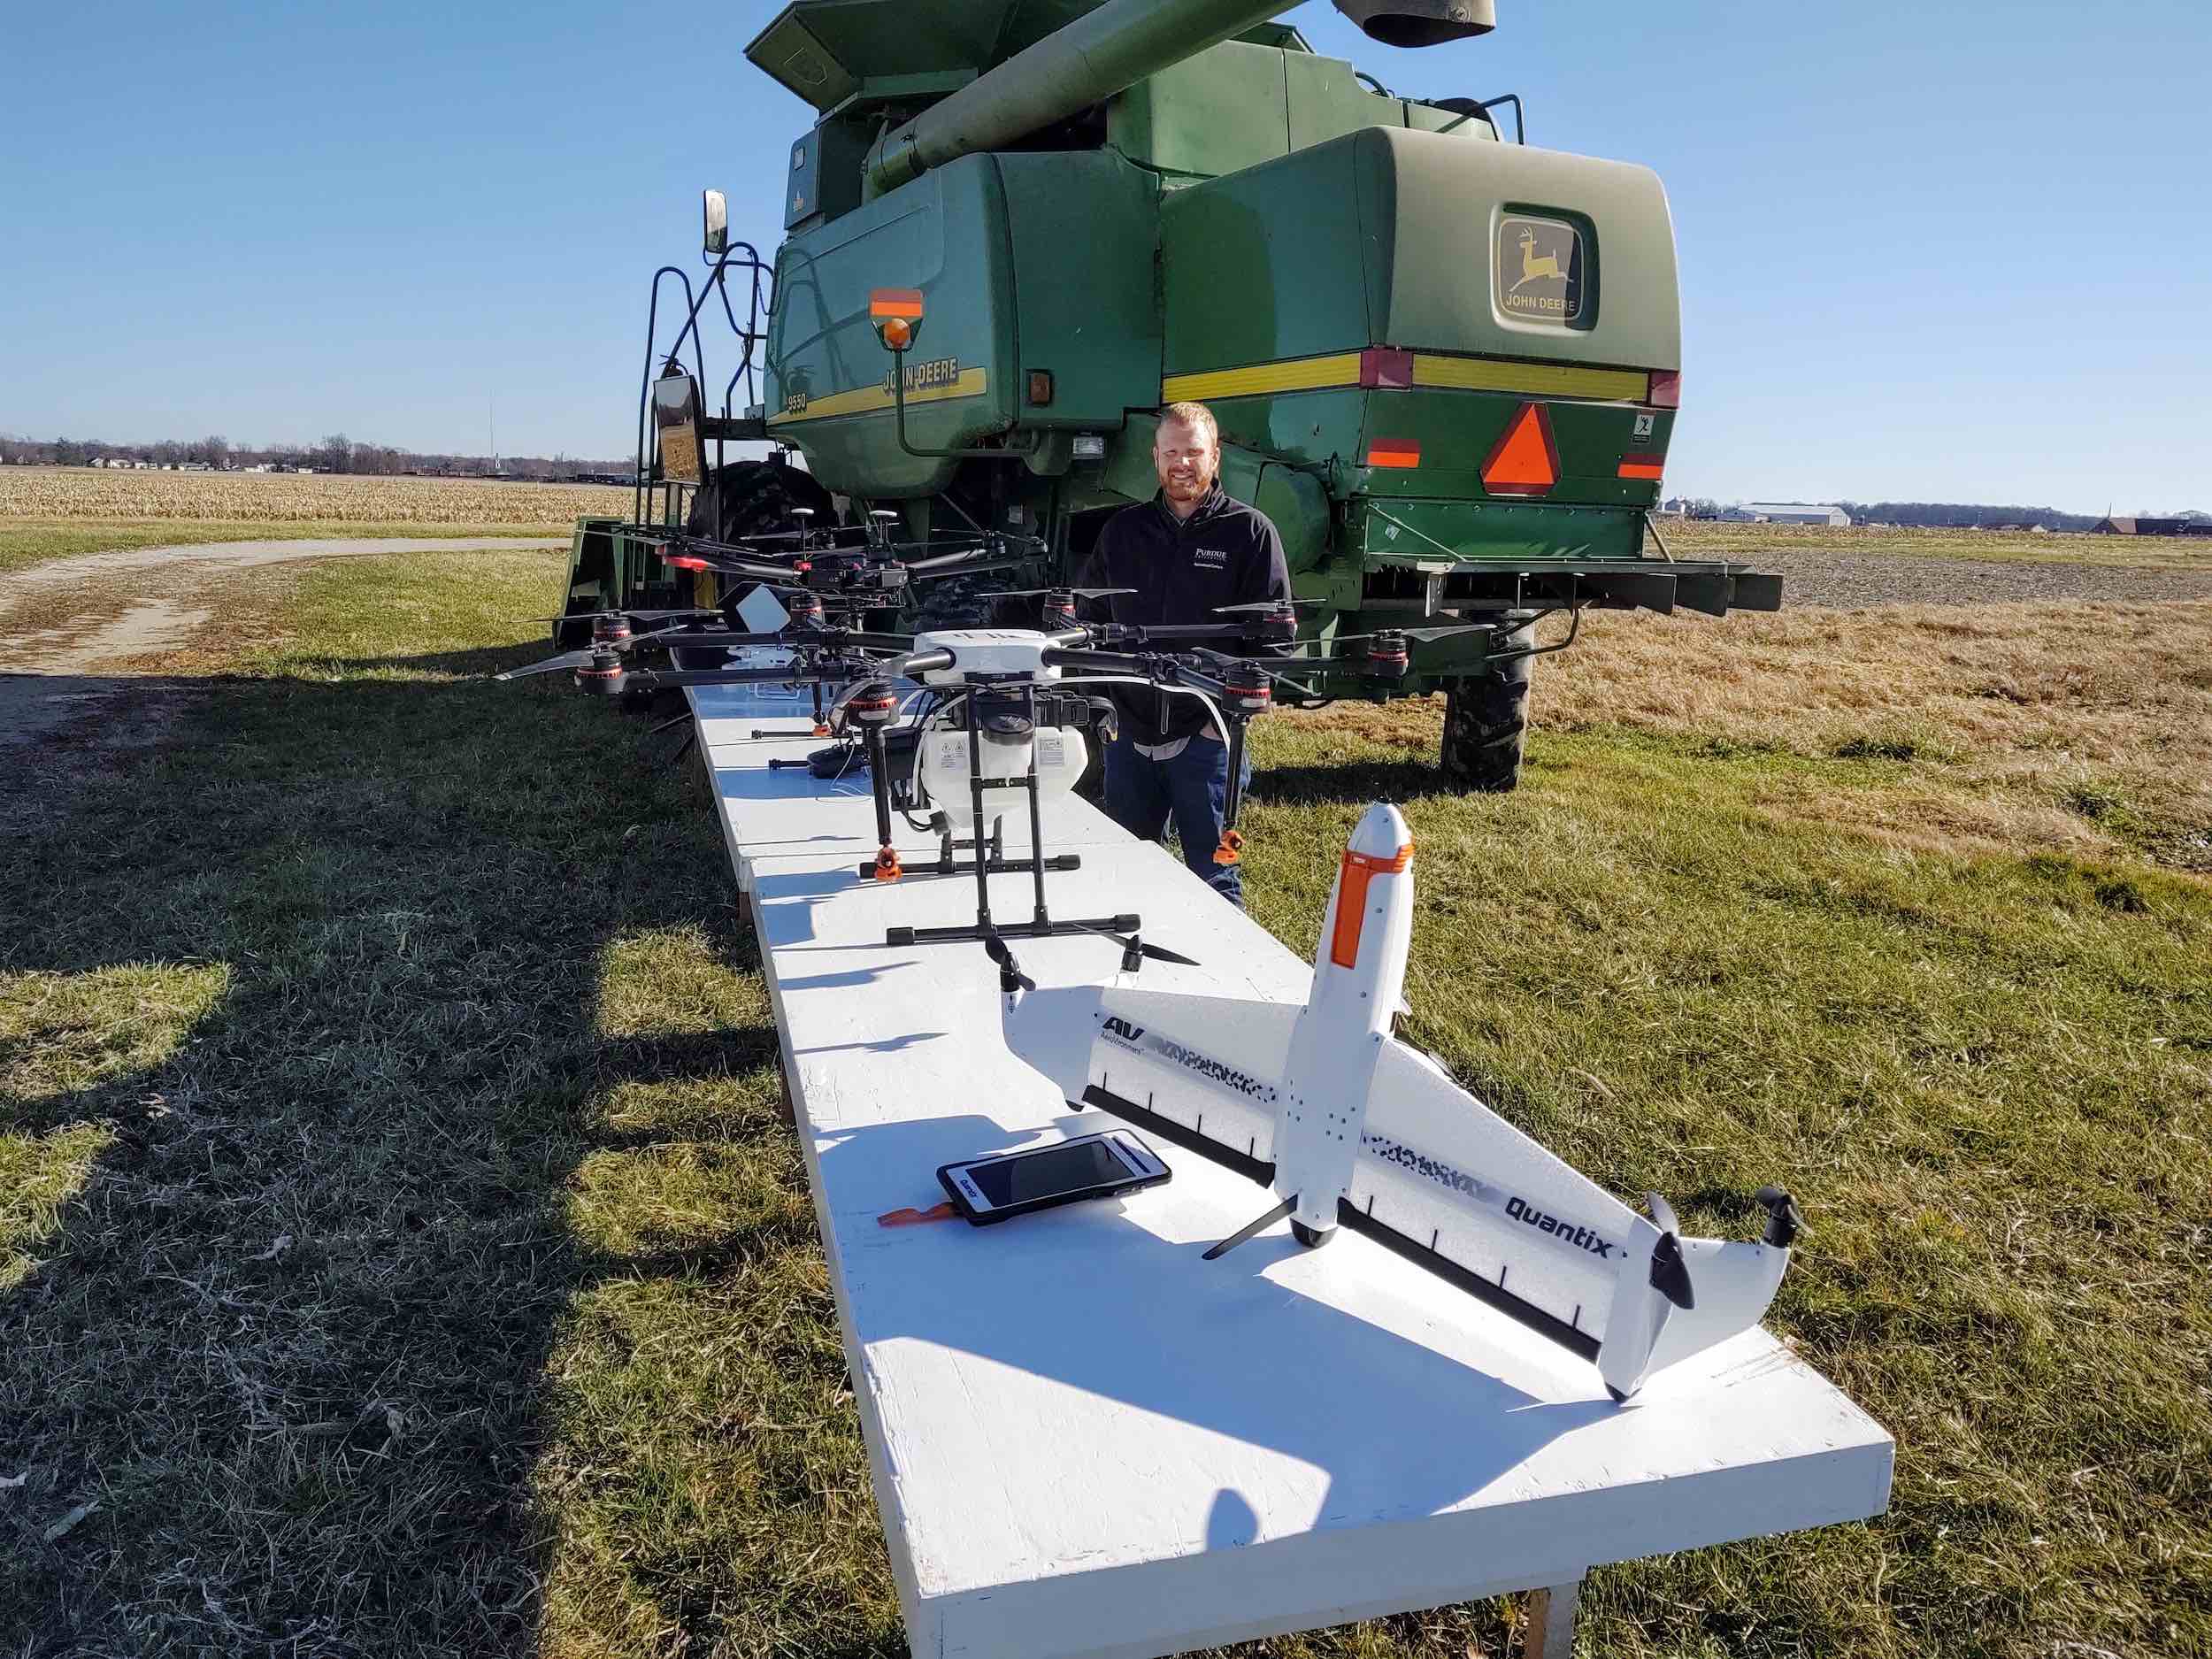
1356, 782
291, 1336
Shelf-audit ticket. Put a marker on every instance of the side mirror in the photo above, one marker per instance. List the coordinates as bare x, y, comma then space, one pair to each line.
717, 218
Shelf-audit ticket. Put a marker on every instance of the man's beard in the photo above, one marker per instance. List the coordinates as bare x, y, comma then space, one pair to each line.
1193, 488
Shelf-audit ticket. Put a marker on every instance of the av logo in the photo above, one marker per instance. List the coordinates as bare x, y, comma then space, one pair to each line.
1118, 1027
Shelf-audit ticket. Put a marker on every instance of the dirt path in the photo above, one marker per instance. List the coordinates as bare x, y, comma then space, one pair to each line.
72, 628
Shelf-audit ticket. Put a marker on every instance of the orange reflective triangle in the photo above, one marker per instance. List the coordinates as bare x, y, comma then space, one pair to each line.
1526, 461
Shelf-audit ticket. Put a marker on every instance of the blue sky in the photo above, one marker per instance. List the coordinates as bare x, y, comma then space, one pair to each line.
1954, 252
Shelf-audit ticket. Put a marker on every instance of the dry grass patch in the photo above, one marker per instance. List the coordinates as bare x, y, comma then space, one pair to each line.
1746, 542
2040, 726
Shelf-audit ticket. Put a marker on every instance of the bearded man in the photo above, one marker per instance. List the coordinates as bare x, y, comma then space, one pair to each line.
1189, 551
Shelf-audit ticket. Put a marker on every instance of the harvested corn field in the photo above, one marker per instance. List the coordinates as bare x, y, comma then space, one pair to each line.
71, 493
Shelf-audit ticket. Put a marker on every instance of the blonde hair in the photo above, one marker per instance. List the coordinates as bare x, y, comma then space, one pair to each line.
1197, 416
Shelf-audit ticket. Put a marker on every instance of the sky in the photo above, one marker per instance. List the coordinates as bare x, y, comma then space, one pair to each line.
1946, 250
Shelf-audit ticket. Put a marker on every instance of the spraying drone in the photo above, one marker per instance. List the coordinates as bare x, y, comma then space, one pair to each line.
957, 727
1353, 1128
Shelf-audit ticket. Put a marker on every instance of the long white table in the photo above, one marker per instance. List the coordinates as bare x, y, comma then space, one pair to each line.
1088, 1444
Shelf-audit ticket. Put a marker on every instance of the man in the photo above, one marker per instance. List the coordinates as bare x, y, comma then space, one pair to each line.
1187, 551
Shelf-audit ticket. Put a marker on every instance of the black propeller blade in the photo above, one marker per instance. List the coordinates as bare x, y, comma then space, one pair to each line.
550, 665
1670, 1273
1072, 593
1134, 948
1261, 607
1010, 973
1784, 1222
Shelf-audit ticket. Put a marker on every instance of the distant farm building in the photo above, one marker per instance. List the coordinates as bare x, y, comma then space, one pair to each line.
2155, 526
1784, 512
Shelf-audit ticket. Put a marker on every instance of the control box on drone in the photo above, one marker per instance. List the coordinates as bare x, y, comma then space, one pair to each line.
1445, 362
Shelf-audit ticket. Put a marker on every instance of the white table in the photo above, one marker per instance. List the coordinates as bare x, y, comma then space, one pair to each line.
1088, 1442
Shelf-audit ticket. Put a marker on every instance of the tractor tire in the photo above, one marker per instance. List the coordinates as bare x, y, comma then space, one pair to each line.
1485, 721
756, 498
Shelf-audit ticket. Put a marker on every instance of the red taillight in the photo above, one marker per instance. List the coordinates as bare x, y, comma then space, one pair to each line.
1385, 368
1666, 389
683, 563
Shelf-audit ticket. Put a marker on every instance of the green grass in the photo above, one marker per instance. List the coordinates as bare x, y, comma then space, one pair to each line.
27, 542
411, 1257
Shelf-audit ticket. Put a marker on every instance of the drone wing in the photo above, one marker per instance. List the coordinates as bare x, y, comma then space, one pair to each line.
1200, 1072
1444, 1181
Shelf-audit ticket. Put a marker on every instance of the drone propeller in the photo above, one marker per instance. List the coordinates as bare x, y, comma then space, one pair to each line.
1670, 1273
550, 665
578, 659
1261, 607
1010, 973
1072, 593
1133, 948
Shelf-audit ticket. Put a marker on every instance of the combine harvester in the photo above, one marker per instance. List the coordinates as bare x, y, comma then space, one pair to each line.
1446, 364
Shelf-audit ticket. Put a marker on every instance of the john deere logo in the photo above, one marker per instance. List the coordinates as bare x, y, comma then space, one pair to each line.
1539, 270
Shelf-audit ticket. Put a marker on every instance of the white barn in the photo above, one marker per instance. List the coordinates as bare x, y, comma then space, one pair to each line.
1784, 512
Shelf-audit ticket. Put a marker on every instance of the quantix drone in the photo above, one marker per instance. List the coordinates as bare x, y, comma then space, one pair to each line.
1353, 1128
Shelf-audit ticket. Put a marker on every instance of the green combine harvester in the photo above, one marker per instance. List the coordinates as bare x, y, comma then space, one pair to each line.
1445, 362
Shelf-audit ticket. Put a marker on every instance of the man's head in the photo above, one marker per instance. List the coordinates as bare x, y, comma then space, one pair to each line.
1186, 454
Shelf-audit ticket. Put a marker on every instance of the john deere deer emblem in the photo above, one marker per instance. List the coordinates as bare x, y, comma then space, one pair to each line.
1539, 270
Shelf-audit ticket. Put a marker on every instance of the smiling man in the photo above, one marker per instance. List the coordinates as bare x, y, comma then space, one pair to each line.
1187, 551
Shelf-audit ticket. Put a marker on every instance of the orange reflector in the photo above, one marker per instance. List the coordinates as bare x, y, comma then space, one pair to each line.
1392, 452
894, 302
1652, 467
1526, 461
898, 333
1352, 877
683, 563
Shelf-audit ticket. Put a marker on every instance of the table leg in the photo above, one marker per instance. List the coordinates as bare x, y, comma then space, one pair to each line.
1551, 1622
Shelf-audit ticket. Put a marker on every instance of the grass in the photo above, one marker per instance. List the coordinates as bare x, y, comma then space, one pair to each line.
410, 1256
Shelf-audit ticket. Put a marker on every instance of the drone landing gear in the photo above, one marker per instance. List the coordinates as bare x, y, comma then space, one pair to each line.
995, 861
1312, 1238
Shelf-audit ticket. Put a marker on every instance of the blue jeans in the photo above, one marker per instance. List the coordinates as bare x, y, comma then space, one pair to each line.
1142, 795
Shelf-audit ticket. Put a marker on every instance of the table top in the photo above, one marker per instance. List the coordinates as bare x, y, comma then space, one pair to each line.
1086, 1442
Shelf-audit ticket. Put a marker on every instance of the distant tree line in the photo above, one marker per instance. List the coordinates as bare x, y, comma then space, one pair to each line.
336, 453
1943, 515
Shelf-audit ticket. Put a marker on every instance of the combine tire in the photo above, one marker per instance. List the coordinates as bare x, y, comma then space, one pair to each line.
1486, 720
756, 498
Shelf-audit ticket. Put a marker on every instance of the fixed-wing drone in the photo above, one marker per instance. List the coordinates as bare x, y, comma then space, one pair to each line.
1353, 1128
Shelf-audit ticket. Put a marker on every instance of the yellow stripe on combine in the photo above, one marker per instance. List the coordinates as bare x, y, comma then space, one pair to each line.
1341, 371
868, 399
1299, 374
1532, 379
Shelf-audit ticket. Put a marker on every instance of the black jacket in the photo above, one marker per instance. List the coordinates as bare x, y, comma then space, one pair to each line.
1225, 553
